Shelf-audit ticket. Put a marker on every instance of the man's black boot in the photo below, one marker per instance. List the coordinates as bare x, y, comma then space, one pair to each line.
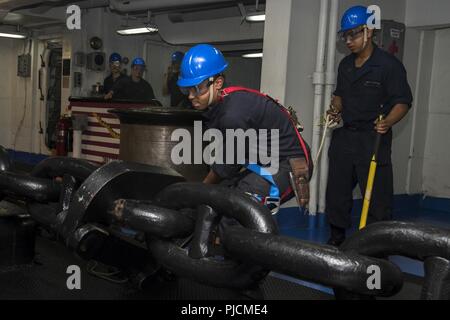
337, 236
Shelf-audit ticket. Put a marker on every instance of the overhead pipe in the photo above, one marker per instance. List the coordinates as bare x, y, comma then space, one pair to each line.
142, 5
10, 5
80, 123
318, 81
181, 33
330, 79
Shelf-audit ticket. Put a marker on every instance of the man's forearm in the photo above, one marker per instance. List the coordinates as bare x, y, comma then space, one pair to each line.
398, 112
336, 102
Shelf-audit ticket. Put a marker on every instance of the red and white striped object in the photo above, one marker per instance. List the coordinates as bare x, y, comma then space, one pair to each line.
97, 144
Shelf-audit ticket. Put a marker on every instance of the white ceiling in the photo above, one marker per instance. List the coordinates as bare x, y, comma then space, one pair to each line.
33, 13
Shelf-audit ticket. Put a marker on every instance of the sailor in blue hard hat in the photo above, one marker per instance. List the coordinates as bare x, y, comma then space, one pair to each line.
237, 108
371, 85
355, 29
115, 65
177, 57
134, 87
170, 87
201, 72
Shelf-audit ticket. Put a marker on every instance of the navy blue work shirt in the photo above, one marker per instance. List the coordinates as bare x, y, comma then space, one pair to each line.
373, 89
245, 110
127, 89
177, 98
109, 81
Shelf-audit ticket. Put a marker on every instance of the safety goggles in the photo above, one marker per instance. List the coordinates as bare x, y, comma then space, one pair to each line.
351, 35
197, 90
115, 63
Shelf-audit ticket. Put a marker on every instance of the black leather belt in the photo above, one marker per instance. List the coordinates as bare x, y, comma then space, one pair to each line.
359, 127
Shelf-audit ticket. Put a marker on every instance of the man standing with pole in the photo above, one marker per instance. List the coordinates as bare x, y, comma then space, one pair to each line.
371, 83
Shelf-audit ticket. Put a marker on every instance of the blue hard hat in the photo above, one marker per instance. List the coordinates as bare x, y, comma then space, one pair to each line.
138, 62
200, 63
114, 57
354, 17
177, 56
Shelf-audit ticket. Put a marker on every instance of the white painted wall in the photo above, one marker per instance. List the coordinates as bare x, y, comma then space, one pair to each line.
436, 171
402, 131
244, 72
302, 50
420, 13
421, 107
7, 48
210, 31
17, 116
276, 48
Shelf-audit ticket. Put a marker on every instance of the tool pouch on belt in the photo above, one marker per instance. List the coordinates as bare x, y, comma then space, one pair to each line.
300, 180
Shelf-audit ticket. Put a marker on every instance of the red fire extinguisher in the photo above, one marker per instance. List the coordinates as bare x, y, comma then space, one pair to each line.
63, 141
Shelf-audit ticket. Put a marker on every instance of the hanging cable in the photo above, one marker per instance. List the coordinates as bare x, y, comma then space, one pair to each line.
327, 123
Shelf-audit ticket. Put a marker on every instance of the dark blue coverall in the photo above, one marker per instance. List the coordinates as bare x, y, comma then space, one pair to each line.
366, 92
245, 110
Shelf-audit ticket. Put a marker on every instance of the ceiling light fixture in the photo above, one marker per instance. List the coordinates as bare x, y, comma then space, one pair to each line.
253, 55
256, 17
147, 28
12, 35
141, 30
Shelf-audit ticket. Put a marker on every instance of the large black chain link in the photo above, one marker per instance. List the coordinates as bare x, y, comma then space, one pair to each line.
216, 235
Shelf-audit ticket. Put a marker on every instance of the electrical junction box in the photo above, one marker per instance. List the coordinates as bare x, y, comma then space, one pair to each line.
96, 61
79, 59
24, 65
77, 79
391, 38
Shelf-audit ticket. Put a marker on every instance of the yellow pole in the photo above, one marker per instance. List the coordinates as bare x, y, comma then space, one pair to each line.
368, 194
370, 182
